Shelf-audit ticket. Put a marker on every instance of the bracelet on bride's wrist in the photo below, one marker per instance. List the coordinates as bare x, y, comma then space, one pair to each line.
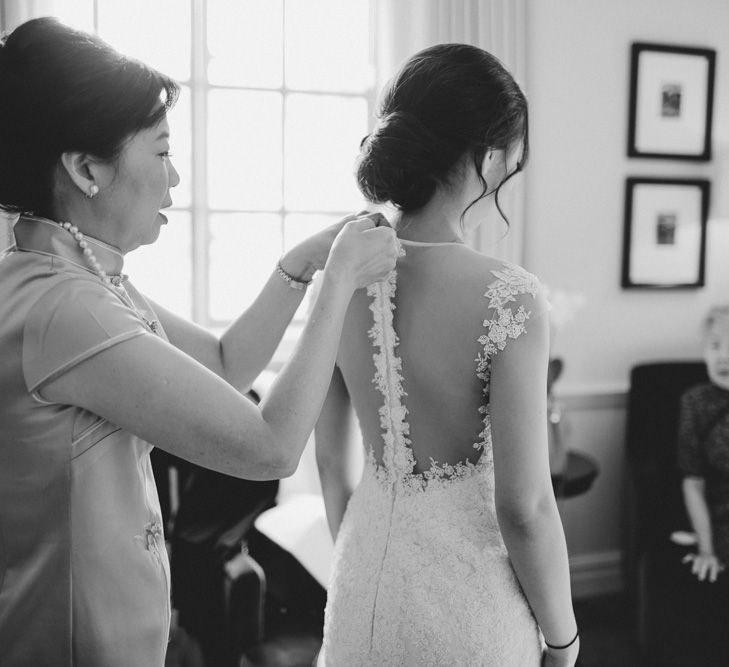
290, 280
558, 648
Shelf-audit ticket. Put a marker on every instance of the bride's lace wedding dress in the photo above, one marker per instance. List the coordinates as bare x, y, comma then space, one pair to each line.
421, 575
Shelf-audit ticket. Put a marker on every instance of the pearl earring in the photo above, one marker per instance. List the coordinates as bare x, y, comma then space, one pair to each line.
93, 190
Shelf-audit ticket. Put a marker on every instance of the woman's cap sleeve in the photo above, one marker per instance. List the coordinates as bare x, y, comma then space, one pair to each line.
514, 298
71, 322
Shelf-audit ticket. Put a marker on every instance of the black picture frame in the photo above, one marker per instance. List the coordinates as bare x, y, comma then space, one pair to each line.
671, 101
664, 236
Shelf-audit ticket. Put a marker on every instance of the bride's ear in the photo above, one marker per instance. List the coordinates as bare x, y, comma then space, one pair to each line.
488, 160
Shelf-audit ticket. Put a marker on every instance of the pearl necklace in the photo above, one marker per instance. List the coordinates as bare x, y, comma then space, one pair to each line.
114, 281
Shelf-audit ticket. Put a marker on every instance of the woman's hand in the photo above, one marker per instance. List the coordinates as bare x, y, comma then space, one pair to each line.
311, 254
362, 253
704, 565
561, 657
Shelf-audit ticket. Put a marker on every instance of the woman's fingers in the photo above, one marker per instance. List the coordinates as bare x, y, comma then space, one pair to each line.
312, 253
363, 252
703, 566
362, 224
378, 219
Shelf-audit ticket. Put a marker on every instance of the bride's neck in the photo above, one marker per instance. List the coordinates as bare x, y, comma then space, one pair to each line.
439, 221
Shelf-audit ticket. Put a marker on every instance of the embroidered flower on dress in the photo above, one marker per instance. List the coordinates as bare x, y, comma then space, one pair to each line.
153, 537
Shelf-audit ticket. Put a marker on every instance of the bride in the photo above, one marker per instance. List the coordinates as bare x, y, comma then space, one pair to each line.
450, 550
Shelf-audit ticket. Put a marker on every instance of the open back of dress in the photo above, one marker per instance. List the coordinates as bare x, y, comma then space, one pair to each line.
421, 574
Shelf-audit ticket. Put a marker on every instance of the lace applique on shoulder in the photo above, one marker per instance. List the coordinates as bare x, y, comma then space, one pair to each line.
511, 281
506, 323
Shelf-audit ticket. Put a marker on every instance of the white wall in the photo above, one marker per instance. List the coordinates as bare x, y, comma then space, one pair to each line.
578, 59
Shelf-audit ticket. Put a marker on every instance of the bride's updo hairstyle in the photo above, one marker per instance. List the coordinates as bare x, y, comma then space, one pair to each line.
448, 101
65, 90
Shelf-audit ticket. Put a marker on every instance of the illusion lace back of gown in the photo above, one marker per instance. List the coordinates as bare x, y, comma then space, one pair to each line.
421, 575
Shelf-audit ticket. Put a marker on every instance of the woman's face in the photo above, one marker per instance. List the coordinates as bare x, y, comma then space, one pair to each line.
141, 186
716, 352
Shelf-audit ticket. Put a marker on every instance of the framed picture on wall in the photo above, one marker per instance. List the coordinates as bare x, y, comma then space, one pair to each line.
671, 100
664, 242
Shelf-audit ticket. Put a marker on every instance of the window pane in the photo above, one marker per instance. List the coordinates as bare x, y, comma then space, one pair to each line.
181, 147
245, 41
244, 249
299, 226
327, 45
244, 150
157, 33
323, 133
162, 271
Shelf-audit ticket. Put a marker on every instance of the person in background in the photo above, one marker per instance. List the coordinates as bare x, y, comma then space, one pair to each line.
92, 374
703, 453
450, 551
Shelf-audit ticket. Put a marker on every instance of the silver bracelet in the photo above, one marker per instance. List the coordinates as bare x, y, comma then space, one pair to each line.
289, 279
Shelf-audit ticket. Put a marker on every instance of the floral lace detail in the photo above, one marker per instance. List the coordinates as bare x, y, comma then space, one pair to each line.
398, 460
438, 474
511, 281
424, 579
397, 455
152, 539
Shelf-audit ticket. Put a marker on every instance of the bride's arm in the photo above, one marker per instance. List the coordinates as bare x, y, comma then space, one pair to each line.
525, 503
332, 435
248, 344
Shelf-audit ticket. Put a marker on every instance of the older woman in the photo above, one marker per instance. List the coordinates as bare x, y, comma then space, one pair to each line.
92, 372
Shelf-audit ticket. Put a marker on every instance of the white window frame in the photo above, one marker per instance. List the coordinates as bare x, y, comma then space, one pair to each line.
201, 210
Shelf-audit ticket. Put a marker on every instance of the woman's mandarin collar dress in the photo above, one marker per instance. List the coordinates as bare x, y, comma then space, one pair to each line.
84, 575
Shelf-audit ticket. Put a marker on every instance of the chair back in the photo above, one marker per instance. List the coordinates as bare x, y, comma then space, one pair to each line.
651, 440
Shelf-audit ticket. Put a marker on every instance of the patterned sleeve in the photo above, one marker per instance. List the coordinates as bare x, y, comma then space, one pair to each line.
514, 298
690, 457
71, 322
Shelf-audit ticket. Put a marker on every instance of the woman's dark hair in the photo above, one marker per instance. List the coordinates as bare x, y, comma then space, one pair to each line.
448, 101
62, 90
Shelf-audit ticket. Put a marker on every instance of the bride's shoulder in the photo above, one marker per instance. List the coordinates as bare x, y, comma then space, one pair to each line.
512, 299
489, 273
505, 295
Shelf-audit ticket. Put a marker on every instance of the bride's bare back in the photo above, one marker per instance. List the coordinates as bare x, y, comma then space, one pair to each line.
416, 358
440, 306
